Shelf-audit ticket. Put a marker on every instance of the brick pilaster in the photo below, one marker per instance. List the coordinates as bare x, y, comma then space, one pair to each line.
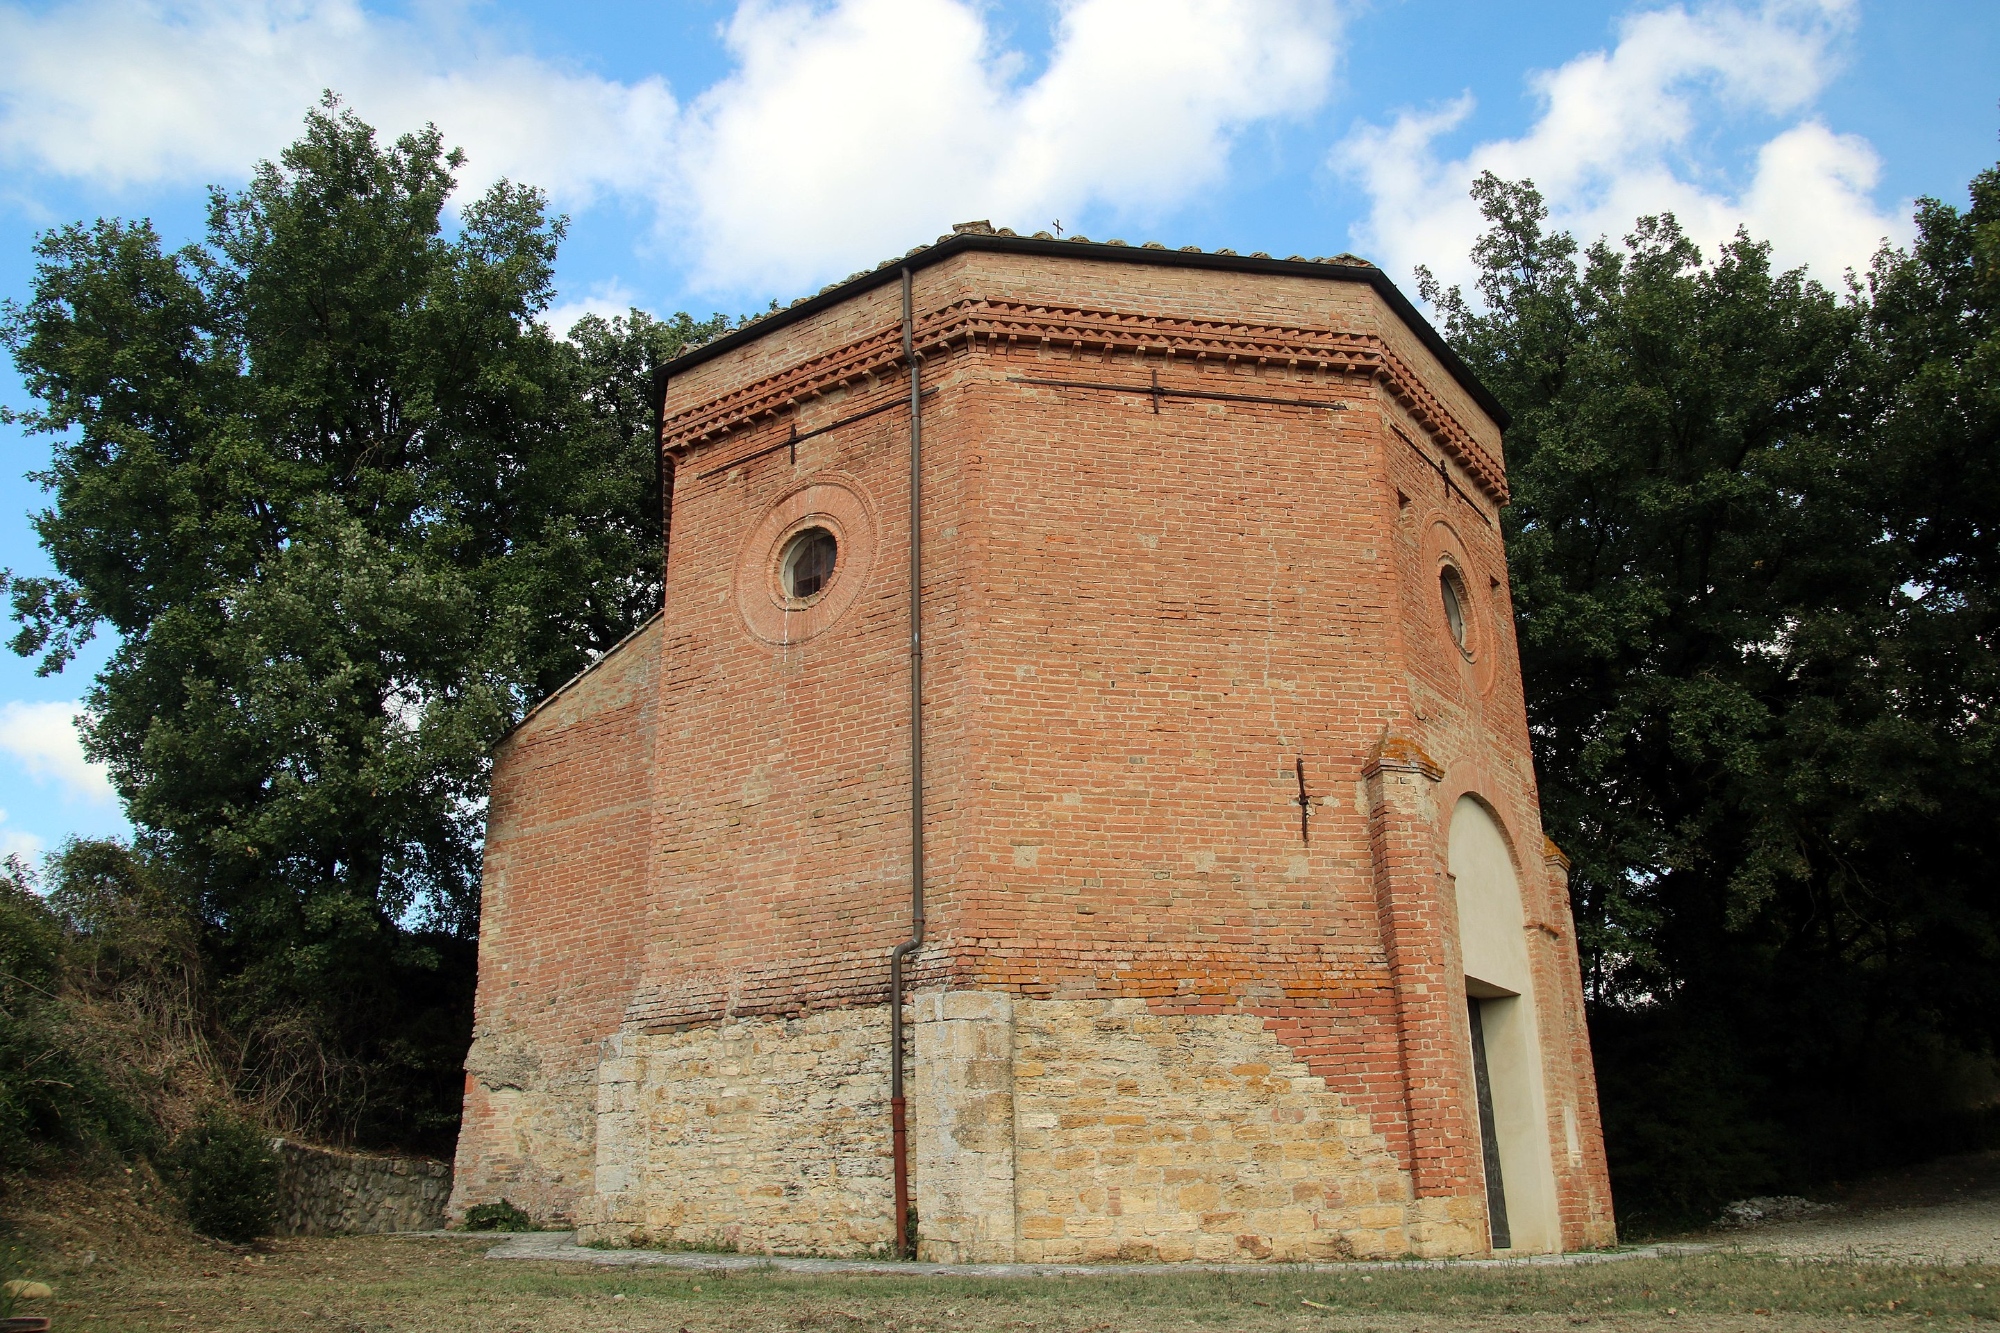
1412, 906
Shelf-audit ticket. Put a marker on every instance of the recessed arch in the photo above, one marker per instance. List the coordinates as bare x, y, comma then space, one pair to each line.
1504, 1031
1492, 939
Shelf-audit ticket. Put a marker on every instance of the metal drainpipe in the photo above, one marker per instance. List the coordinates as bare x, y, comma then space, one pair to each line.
663, 474
898, 1128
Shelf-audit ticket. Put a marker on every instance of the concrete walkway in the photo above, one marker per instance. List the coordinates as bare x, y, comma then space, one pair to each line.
561, 1246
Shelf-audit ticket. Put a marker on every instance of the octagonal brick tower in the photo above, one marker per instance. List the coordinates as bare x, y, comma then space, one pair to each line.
1243, 940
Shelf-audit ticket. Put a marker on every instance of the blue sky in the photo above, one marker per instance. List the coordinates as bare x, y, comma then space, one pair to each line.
716, 154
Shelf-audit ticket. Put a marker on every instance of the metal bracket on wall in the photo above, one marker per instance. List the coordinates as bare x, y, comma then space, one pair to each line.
1305, 803
791, 441
1156, 393
1439, 466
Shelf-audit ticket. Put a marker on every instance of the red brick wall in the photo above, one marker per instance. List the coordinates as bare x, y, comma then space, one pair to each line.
562, 931
782, 825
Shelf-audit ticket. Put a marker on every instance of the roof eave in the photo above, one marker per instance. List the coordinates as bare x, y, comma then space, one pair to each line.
966, 242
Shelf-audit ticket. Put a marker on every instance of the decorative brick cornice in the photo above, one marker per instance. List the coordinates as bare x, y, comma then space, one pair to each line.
979, 326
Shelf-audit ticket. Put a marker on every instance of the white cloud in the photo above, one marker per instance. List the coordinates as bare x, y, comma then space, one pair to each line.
16, 842
42, 741
847, 129
1619, 136
847, 132
1812, 188
607, 299
175, 90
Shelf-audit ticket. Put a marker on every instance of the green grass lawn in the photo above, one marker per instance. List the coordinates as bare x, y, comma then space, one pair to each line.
421, 1285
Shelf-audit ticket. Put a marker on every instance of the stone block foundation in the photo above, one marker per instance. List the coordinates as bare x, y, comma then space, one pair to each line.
1041, 1131
764, 1135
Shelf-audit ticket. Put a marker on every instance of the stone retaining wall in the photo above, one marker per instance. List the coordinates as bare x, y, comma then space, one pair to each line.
326, 1193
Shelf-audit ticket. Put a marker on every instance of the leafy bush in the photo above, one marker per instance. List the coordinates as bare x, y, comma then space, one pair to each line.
53, 1095
54, 1098
30, 935
227, 1177
30, 954
501, 1216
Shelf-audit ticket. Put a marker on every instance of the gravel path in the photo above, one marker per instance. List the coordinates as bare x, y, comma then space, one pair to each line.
1967, 1232
1946, 1212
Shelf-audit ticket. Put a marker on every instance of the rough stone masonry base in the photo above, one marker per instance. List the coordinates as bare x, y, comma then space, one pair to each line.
1044, 1131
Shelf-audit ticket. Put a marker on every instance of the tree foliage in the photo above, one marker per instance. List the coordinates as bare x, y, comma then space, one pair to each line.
348, 508
226, 1174
58, 1095
1752, 555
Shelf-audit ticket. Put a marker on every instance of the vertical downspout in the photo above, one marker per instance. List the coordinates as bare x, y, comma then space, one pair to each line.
663, 474
898, 1124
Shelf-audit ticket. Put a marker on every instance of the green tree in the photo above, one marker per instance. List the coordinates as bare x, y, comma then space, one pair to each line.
349, 509
1754, 707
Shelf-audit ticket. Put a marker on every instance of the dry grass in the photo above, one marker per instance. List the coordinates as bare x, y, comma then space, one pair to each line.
123, 1266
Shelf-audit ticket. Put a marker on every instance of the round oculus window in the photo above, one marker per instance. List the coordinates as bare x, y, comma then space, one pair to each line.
1452, 589
807, 564
804, 564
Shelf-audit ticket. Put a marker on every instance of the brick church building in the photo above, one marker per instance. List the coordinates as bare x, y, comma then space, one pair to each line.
1208, 867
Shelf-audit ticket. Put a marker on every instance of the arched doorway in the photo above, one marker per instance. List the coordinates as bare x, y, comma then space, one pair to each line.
1506, 1044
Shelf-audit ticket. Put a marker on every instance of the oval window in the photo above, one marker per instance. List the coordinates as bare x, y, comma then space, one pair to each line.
1453, 590
807, 565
